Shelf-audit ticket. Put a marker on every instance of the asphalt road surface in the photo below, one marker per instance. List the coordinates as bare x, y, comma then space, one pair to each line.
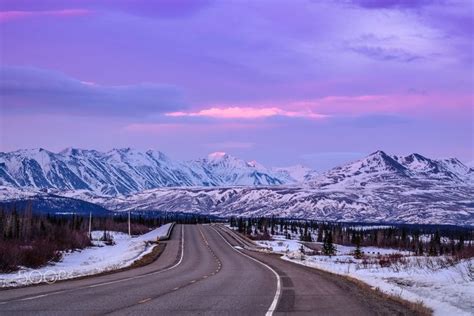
203, 270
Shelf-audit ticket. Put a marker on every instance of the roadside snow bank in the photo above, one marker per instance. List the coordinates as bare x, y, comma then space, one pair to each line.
93, 260
447, 289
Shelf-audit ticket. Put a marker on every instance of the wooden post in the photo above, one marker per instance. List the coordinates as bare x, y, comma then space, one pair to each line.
129, 228
90, 225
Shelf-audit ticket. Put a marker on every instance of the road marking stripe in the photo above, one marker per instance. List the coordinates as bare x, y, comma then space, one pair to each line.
151, 273
272, 307
33, 297
145, 300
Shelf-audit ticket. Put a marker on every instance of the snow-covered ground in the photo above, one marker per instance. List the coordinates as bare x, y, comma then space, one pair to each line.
280, 244
93, 260
447, 289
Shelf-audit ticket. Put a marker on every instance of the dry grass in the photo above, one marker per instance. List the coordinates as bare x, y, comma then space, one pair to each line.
150, 257
417, 307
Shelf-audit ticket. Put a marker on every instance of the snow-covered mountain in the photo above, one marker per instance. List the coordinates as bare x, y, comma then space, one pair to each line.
380, 169
298, 172
225, 170
123, 171
377, 188
391, 204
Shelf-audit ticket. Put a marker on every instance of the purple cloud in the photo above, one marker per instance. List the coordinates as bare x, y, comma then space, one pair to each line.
386, 54
152, 9
6, 16
243, 59
33, 90
390, 4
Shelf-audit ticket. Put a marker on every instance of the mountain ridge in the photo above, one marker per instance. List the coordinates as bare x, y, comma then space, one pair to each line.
376, 188
127, 170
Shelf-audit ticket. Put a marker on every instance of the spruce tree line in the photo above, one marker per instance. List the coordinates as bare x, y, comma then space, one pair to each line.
420, 239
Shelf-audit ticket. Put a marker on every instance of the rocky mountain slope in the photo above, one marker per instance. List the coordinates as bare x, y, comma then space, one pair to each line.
378, 188
124, 171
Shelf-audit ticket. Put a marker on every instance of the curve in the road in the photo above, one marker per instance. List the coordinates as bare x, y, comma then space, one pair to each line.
169, 291
273, 306
28, 298
210, 278
202, 272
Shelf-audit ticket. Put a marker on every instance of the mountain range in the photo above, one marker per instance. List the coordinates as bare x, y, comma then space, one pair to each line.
377, 188
125, 171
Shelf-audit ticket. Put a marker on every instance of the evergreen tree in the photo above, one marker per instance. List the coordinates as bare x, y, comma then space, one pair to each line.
302, 250
328, 248
358, 250
320, 234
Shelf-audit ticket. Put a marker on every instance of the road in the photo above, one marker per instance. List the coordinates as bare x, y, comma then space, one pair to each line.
201, 271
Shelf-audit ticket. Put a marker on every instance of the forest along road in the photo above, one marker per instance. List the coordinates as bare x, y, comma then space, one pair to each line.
201, 271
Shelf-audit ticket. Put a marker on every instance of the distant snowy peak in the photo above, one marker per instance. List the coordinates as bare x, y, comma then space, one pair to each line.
222, 159
450, 169
376, 163
383, 162
297, 173
228, 170
381, 169
218, 155
127, 170
455, 166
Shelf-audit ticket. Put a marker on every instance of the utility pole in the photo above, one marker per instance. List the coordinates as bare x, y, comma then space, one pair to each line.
129, 229
90, 224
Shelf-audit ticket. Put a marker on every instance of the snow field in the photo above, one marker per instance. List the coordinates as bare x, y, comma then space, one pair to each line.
439, 284
93, 260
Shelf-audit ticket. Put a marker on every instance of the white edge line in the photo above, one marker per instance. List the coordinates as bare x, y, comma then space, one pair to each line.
110, 282
33, 297
272, 307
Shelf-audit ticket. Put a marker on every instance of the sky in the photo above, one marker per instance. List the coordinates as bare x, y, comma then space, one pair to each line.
283, 82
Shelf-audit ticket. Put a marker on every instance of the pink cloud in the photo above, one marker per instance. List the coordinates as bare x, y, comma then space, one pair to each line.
6, 16
407, 104
184, 128
248, 113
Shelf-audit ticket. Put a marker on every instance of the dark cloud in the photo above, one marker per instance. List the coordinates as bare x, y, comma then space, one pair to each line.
392, 4
385, 54
33, 90
382, 48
